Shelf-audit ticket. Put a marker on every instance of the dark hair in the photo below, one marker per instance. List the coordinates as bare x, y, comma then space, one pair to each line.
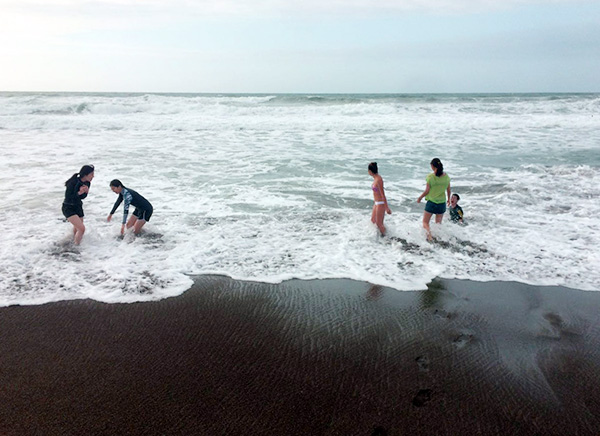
457, 196
439, 168
116, 183
373, 167
84, 171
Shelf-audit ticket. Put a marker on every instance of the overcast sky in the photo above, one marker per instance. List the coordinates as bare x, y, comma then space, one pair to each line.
303, 46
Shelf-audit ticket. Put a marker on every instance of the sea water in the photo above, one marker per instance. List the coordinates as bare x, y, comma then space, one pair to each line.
274, 187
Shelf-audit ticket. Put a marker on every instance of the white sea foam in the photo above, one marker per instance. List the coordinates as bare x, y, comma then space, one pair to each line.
269, 188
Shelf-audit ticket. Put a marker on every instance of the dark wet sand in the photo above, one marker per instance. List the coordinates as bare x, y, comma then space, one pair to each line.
332, 357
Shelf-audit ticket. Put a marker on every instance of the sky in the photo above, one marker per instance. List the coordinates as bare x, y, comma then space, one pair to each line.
303, 46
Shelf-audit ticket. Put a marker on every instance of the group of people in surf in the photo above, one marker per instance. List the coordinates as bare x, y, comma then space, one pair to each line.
437, 193
78, 187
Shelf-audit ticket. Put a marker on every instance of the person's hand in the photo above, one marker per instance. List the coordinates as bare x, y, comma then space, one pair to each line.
84, 190
419, 199
389, 211
108, 218
123, 229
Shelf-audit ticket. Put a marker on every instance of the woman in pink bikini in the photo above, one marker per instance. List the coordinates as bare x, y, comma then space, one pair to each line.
381, 206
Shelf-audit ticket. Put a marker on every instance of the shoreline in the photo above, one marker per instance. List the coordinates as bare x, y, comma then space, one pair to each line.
315, 357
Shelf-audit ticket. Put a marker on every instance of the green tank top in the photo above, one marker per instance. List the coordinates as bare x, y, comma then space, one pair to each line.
437, 188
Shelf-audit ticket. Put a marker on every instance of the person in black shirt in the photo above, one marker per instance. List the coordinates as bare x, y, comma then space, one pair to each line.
456, 212
77, 188
143, 208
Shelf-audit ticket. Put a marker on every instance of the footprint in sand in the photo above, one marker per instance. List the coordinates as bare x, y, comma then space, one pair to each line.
422, 397
423, 363
554, 319
463, 339
379, 431
554, 328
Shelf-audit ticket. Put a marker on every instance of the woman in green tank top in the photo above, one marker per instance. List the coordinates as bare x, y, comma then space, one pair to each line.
438, 187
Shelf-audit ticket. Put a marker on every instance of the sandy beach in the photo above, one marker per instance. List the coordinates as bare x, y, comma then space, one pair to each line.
333, 357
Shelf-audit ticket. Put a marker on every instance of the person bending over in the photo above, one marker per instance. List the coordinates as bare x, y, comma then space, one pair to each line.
141, 214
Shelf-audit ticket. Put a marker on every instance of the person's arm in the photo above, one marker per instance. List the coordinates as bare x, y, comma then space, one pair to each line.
127, 198
448, 192
387, 207
425, 192
83, 189
71, 195
117, 203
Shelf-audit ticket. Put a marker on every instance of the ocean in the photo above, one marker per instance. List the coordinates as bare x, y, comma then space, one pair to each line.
274, 187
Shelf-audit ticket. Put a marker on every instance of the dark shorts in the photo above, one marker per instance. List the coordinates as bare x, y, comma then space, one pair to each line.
69, 210
435, 208
143, 214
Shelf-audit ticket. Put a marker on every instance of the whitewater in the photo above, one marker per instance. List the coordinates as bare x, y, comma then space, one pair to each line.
273, 187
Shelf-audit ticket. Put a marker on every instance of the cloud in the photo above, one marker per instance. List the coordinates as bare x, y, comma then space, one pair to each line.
256, 8
180, 45
42, 20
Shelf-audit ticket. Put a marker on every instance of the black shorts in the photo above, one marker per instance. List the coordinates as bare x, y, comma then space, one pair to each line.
69, 210
435, 208
143, 214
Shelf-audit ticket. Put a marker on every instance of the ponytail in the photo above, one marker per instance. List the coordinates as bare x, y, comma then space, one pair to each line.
439, 168
84, 171
72, 180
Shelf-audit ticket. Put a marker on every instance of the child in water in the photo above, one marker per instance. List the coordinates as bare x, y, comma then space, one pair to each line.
456, 212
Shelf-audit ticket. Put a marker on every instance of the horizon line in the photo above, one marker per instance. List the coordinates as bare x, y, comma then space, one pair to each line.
303, 92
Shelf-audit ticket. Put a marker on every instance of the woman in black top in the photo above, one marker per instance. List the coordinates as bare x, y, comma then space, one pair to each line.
77, 188
143, 208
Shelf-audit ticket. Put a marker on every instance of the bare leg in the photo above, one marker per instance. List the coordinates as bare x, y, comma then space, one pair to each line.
138, 226
131, 221
439, 218
78, 228
373, 214
379, 215
426, 219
